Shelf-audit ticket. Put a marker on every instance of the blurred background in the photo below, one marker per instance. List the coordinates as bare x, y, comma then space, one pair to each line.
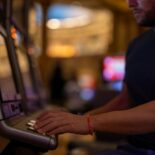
80, 47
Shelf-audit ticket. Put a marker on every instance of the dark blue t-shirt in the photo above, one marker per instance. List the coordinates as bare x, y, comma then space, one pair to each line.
140, 79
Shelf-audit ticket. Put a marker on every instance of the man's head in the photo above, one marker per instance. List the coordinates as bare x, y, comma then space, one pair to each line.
144, 11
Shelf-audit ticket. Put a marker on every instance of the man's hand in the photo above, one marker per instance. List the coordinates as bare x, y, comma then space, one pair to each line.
57, 122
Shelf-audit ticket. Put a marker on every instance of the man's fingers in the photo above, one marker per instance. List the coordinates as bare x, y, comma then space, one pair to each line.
51, 126
45, 116
40, 124
59, 130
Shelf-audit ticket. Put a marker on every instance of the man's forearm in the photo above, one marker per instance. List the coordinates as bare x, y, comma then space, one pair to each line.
120, 102
133, 121
116, 104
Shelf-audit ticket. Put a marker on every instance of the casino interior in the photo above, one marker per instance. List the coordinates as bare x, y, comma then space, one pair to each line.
59, 53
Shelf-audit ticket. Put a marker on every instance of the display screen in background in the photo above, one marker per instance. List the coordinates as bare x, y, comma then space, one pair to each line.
113, 68
113, 71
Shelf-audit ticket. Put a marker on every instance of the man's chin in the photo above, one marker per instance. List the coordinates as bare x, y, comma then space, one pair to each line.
146, 23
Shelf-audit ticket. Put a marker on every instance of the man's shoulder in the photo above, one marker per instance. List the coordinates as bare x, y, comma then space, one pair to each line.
145, 34
141, 39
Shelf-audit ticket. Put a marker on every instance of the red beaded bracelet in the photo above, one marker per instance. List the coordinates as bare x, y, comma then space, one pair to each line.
90, 127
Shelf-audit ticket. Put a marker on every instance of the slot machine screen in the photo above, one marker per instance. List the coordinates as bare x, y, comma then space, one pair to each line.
8, 93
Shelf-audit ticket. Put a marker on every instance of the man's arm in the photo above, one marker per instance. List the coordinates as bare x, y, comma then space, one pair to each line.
120, 102
138, 120
115, 117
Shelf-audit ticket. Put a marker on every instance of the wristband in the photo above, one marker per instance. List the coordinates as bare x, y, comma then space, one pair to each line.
90, 127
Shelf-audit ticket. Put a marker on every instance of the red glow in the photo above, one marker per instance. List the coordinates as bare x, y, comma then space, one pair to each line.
113, 68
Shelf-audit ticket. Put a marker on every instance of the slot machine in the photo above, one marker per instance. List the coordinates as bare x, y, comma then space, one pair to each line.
25, 52
19, 102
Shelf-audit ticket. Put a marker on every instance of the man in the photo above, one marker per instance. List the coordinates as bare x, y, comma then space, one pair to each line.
133, 111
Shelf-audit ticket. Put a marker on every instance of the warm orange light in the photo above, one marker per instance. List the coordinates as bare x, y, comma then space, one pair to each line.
13, 33
62, 51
